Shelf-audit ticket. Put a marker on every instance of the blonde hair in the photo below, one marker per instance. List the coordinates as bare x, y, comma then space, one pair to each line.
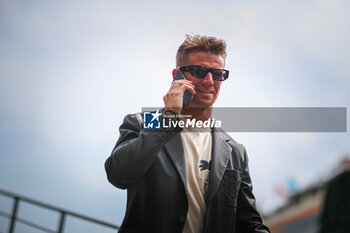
197, 43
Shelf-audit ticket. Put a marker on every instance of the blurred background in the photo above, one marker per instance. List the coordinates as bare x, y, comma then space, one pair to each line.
71, 70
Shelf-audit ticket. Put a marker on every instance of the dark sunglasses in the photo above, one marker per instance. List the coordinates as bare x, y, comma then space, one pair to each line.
201, 72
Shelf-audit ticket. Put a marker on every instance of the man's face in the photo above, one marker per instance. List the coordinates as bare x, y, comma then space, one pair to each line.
207, 89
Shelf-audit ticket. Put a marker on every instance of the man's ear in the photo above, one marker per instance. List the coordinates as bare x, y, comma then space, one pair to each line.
174, 72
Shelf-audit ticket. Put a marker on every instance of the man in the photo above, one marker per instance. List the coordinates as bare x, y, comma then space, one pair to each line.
185, 181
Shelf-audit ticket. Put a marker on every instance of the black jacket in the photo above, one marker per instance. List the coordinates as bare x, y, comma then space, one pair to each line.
336, 209
151, 166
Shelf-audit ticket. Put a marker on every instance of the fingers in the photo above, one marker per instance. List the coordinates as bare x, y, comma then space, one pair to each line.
174, 97
183, 85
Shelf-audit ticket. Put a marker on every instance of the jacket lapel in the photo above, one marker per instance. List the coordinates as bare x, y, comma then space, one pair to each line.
221, 152
220, 157
175, 151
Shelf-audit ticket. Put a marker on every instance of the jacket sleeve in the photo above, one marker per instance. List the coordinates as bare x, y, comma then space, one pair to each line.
135, 151
248, 218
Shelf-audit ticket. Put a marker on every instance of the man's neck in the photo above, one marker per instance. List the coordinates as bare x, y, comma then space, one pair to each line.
202, 114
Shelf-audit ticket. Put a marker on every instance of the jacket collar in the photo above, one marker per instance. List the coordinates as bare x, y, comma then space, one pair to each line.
221, 152
176, 153
220, 157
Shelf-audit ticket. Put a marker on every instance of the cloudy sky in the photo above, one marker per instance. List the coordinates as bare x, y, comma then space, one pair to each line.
71, 70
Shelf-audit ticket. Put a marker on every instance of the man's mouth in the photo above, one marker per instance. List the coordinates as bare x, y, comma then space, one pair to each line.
204, 92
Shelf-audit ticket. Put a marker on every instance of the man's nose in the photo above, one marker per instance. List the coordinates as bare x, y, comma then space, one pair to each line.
208, 79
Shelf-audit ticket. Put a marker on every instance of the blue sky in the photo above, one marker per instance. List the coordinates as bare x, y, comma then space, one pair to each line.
71, 70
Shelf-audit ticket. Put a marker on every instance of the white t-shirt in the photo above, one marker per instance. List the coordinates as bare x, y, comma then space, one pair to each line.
197, 148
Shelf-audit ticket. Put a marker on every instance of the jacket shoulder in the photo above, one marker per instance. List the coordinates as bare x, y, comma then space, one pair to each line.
232, 142
238, 148
133, 121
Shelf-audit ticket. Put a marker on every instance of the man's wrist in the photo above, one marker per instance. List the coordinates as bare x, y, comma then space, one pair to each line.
171, 114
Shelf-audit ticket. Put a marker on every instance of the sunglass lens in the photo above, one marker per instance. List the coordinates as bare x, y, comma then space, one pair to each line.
225, 75
198, 71
217, 75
